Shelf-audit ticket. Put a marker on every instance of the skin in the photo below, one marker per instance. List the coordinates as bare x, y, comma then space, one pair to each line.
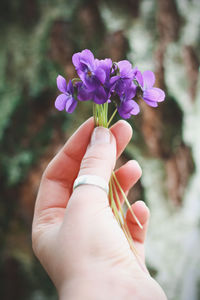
75, 236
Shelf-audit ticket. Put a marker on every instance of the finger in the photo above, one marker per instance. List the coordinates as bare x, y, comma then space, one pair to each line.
65, 165
122, 132
99, 160
57, 180
138, 235
100, 156
60, 174
142, 213
56, 183
127, 176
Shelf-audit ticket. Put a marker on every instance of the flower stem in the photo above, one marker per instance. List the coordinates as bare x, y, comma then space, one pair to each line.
122, 222
111, 118
100, 112
126, 201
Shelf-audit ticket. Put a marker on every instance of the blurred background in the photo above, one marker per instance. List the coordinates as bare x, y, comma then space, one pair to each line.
37, 41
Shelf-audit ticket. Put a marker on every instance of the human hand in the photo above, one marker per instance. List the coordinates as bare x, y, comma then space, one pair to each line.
75, 235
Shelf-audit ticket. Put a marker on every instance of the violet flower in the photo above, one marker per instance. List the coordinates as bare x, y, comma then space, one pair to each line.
82, 92
104, 81
125, 77
67, 99
91, 73
128, 106
106, 65
151, 95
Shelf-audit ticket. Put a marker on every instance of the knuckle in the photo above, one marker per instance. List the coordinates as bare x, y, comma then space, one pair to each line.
91, 161
46, 171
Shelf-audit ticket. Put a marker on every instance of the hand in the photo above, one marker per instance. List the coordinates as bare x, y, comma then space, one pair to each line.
75, 235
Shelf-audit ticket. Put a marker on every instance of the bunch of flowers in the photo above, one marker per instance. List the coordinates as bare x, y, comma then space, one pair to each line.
104, 83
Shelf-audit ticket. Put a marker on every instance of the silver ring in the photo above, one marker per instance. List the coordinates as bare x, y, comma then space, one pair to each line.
91, 180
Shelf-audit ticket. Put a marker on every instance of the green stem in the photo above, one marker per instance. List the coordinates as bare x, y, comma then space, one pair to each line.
100, 112
106, 114
122, 222
111, 118
126, 201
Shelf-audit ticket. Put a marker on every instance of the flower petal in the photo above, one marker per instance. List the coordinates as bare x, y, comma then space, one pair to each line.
121, 85
151, 103
91, 82
100, 74
154, 94
83, 94
136, 109
61, 102
83, 60
130, 92
70, 105
138, 77
105, 64
128, 108
70, 88
113, 80
160, 94
62, 84
100, 96
76, 60
149, 79
125, 68
124, 115
87, 57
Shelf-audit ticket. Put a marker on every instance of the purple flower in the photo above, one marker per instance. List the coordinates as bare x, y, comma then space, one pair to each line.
67, 99
104, 81
138, 76
88, 70
124, 79
82, 92
151, 95
106, 65
91, 73
128, 106
98, 96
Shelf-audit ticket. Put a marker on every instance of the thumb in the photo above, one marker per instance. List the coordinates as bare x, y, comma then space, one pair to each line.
99, 158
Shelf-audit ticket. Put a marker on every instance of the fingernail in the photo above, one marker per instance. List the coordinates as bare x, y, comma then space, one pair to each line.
100, 135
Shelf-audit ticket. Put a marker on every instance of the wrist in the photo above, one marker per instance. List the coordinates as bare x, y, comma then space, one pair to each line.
98, 286
111, 284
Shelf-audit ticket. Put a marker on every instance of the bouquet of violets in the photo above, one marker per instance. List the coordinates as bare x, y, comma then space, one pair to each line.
105, 83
